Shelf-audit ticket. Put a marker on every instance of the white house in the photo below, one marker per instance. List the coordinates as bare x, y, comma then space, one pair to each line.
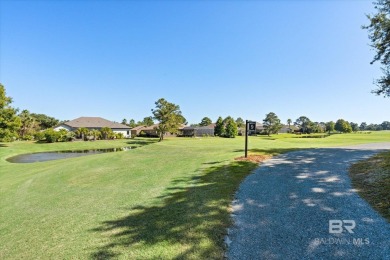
94, 123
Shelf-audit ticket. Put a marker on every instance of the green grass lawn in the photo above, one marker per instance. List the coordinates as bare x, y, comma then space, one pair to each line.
161, 200
371, 177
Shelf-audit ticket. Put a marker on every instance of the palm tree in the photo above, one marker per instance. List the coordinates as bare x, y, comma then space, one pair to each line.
106, 132
95, 133
82, 132
29, 123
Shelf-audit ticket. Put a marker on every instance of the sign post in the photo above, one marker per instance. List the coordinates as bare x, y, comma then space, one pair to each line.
246, 138
249, 126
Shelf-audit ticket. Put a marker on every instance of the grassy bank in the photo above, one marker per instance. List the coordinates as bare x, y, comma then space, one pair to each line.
161, 200
371, 178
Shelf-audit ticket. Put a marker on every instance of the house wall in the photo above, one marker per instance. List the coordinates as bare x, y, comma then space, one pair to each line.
126, 132
203, 132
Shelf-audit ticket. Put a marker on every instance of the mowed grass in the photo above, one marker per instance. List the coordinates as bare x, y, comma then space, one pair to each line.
371, 177
160, 201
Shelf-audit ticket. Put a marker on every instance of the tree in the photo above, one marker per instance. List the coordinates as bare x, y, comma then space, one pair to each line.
240, 122
379, 34
271, 124
45, 121
96, 134
343, 126
363, 126
289, 122
28, 125
106, 132
124, 121
205, 121
303, 123
9, 121
148, 121
169, 117
231, 128
385, 125
219, 129
82, 133
329, 127
314, 127
132, 123
354, 126
374, 127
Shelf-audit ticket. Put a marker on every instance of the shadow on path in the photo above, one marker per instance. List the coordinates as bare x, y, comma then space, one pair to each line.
284, 208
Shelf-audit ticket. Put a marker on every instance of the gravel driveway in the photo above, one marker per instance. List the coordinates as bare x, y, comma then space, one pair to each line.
282, 211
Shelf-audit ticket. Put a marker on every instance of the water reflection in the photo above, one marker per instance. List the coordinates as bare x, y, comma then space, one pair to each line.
49, 156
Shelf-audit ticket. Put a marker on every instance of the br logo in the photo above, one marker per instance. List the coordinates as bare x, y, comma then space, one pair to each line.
337, 226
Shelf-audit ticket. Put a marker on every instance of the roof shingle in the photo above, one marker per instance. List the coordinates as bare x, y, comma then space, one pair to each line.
94, 122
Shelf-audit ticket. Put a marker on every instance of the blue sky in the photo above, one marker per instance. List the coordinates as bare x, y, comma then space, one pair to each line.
114, 59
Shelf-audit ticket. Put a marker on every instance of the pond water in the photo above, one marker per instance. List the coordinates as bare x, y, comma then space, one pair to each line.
49, 156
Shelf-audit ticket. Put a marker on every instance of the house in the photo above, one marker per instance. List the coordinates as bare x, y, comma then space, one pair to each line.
190, 131
288, 129
151, 131
94, 123
135, 131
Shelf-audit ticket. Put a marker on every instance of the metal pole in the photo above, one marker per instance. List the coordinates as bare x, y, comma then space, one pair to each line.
246, 138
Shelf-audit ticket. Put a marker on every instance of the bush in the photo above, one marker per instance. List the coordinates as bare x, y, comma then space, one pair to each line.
52, 136
142, 134
39, 136
28, 137
62, 135
70, 136
119, 136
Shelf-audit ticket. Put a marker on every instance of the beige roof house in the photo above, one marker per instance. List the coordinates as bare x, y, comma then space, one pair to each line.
94, 123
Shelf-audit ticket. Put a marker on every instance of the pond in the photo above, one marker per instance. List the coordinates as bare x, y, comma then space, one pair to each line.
49, 156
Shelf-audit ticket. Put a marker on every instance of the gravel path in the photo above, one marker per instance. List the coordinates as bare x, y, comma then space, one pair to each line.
282, 211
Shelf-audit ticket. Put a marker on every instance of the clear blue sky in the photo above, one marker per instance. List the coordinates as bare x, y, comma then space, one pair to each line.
114, 59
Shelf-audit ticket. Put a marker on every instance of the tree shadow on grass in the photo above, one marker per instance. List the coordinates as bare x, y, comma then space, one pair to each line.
270, 151
190, 221
143, 141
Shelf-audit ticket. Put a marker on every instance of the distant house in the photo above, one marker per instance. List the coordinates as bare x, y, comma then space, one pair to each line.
94, 123
135, 131
287, 129
151, 131
190, 131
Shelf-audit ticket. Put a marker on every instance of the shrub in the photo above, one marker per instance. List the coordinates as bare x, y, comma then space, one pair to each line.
142, 134
119, 136
51, 136
39, 136
28, 137
70, 136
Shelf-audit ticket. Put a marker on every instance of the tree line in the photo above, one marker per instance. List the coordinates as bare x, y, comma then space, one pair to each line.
23, 125
31, 126
303, 124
